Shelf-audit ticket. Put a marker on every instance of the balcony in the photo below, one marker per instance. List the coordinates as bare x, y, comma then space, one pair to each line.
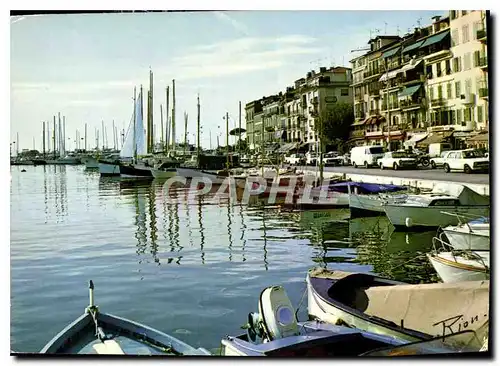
438, 102
481, 62
420, 78
483, 93
371, 73
438, 55
357, 134
481, 35
374, 112
361, 115
412, 104
374, 133
313, 112
394, 130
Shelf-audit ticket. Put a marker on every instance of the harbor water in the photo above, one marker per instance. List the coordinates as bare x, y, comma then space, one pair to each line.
187, 267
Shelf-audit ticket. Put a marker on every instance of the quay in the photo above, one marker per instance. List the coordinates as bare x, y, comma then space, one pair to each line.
414, 178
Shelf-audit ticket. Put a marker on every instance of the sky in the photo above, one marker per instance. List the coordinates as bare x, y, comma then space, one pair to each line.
86, 66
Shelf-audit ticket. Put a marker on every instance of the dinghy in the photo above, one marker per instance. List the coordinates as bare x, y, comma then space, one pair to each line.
275, 331
99, 333
404, 311
367, 199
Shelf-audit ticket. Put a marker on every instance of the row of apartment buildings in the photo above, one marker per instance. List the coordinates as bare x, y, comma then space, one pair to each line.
290, 116
427, 86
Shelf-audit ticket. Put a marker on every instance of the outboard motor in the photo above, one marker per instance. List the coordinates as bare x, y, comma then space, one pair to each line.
276, 317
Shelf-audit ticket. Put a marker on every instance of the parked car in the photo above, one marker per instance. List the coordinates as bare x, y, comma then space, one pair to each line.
397, 160
439, 162
295, 159
311, 158
366, 155
333, 159
468, 160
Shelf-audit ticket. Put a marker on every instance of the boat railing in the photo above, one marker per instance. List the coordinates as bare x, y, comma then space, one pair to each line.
463, 218
468, 254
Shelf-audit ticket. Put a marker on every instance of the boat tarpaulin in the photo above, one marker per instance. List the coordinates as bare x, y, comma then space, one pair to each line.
363, 188
435, 309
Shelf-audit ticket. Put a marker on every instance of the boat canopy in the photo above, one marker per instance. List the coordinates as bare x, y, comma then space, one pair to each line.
363, 188
464, 194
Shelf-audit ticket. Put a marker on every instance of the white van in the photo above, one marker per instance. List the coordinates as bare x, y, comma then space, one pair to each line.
366, 155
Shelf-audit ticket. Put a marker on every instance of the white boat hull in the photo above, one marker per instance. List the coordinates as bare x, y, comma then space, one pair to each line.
454, 268
90, 162
460, 239
109, 169
430, 216
322, 310
162, 174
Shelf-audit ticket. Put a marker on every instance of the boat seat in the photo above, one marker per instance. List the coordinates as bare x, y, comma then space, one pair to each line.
108, 347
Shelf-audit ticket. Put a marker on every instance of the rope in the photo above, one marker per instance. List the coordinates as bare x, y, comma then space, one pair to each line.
300, 303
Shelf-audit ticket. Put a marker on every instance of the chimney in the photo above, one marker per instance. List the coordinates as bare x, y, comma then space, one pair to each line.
322, 69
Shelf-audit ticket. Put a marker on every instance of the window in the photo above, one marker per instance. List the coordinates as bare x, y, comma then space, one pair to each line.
448, 91
453, 14
447, 67
467, 114
431, 92
465, 33
467, 61
475, 27
454, 37
458, 89
457, 64
464, 12
344, 92
438, 69
440, 92
459, 117
480, 113
468, 86
453, 117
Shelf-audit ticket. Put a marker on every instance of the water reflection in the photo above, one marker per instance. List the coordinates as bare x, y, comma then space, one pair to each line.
334, 237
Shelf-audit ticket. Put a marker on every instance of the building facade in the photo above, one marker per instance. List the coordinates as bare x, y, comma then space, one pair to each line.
292, 116
427, 82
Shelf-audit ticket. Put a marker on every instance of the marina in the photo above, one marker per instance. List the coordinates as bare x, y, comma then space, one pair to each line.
345, 215
225, 270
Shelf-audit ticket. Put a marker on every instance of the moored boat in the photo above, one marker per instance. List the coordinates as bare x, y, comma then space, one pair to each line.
458, 266
135, 170
367, 199
275, 331
404, 311
100, 333
90, 162
472, 235
428, 211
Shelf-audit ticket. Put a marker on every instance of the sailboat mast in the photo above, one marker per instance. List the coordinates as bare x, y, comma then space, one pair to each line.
239, 131
48, 137
185, 131
150, 114
162, 140
102, 126
135, 118
198, 147
43, 144
173, 114
227, 140
114, 136
54, 137
64, 135
85, 137
167, 118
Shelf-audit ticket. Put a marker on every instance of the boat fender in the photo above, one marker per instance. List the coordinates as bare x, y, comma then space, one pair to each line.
409, 222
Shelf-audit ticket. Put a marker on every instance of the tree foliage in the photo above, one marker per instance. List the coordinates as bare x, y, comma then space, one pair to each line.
334, 124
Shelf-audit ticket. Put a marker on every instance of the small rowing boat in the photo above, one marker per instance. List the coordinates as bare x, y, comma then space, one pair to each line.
99, 333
